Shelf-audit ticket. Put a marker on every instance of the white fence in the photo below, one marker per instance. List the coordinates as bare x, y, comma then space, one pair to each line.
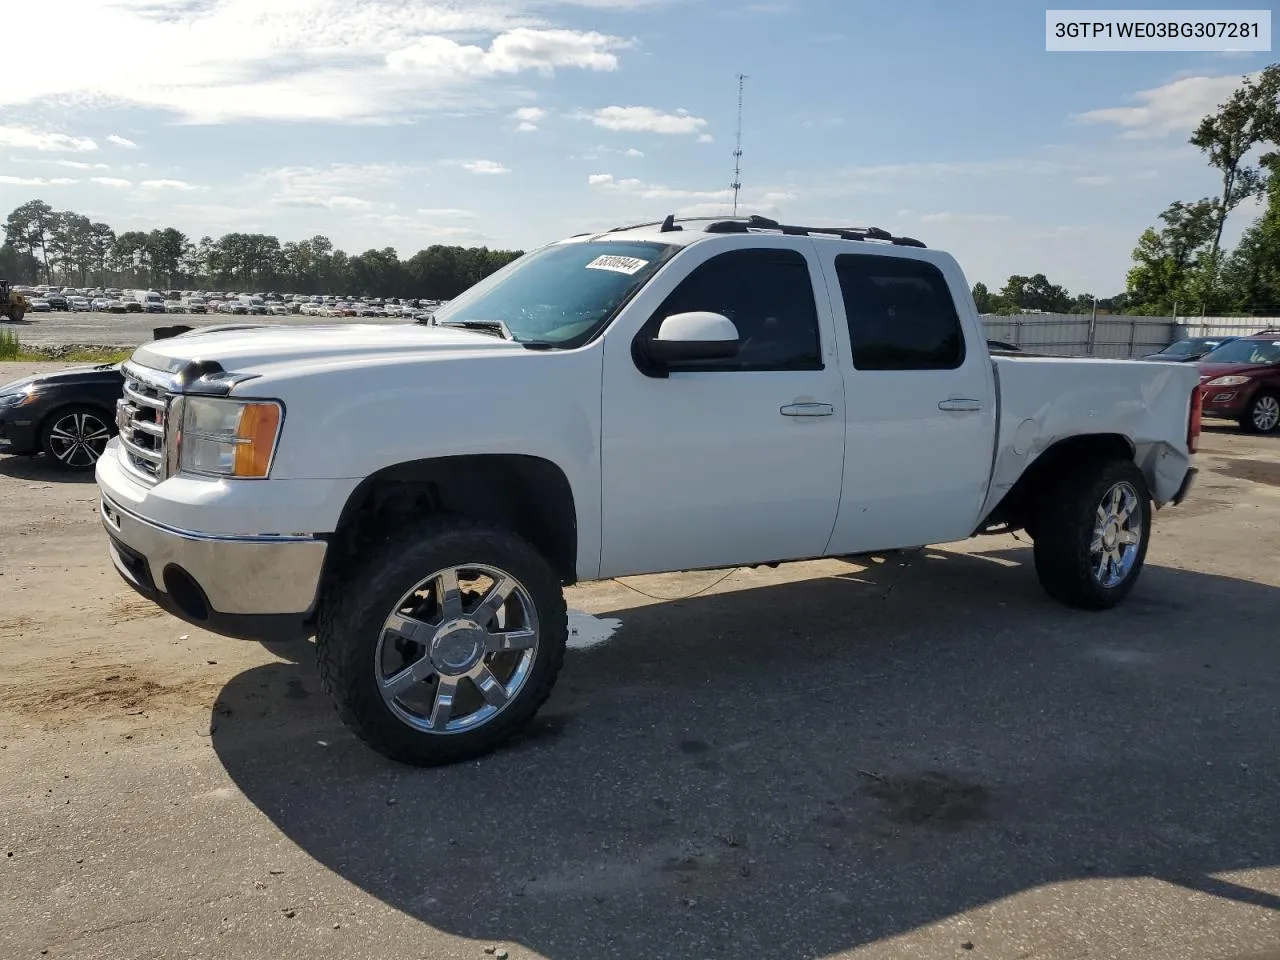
1114, 336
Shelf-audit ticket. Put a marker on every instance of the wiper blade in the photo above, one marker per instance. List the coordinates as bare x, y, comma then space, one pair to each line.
499, 328
481, 326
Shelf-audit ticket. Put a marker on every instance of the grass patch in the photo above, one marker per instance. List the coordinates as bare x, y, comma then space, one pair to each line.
11, 348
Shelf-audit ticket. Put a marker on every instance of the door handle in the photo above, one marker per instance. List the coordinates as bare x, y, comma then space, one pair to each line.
958, 405
807, 410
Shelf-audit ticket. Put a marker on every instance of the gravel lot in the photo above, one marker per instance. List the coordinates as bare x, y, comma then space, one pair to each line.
913, 756
132, 329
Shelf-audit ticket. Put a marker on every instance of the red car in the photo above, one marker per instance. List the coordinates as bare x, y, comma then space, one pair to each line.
1240, 381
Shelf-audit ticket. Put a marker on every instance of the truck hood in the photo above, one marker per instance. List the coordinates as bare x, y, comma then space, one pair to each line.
248, 348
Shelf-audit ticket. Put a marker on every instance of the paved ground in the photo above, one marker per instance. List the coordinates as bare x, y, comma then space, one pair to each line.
913, 757
132, 329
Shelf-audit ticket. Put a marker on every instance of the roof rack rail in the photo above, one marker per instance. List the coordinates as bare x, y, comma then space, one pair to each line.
747, 224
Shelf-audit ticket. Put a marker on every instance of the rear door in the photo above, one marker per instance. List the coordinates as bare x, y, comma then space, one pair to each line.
920, 416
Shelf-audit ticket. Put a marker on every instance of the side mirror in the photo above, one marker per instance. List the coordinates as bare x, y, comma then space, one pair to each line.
698, 335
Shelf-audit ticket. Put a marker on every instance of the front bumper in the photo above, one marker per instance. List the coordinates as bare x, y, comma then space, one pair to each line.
18, 438
248, 587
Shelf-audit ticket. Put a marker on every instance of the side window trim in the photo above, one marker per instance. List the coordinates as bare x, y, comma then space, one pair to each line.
941, 291
816, 285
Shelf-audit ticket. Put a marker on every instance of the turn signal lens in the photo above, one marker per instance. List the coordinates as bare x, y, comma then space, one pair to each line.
259, 425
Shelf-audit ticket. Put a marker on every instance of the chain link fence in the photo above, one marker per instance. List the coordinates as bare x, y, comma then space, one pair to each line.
1113, 336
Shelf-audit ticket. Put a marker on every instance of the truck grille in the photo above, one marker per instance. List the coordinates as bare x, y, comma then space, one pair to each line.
141, 418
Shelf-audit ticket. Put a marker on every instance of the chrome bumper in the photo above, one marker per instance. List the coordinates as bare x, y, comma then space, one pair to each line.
233, 576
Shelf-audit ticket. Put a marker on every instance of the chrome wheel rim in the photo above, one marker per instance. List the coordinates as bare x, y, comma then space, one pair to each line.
1266, 413
1117, 535
78, 439
457, 649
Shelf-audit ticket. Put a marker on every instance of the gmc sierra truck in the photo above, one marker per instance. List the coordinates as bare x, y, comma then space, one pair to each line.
690, 394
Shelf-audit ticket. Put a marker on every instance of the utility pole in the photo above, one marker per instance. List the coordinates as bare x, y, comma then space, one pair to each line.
737, 150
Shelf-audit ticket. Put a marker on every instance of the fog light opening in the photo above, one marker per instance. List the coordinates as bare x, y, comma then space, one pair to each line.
186, 593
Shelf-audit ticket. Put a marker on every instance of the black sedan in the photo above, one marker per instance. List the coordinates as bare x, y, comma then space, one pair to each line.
1189, 349
69, 415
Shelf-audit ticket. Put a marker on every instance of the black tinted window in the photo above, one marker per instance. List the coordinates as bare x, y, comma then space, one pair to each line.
768, 295
901, 314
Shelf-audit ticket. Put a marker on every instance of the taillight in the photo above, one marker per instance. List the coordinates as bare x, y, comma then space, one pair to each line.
1193, 419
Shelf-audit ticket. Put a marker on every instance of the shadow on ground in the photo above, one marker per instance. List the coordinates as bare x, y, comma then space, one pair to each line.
38, 469
795, 770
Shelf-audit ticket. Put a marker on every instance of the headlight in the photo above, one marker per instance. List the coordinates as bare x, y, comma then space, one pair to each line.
18, 399
228, 438
1232, 381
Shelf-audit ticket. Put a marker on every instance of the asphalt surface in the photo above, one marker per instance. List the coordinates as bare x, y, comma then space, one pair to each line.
133, 329
911, 756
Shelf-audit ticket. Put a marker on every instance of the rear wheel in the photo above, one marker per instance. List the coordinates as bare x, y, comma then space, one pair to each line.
74, 437
443, 643
1092, 534
1263, 415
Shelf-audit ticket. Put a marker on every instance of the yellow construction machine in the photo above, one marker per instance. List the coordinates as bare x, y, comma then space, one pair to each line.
13, 305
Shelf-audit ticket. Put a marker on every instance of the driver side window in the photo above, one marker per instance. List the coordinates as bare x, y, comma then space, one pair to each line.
768, 294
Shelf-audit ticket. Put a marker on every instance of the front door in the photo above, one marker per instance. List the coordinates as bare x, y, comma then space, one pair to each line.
730, 461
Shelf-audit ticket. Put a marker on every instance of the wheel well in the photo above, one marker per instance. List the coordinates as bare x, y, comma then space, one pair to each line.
1017, 508
527, 495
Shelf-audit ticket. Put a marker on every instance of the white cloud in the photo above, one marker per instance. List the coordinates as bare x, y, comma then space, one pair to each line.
110, 181
79, 165
164, 184
632, 152
24, 138
648, 191
646, 120
339, 202
706, 138
216, 61
445, 212
1175, 108
485, 166
120, 141
529, 118
35, 181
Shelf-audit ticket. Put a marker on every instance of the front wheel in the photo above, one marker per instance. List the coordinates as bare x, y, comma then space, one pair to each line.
444, 642
75, 437
1092, 534
1263, 415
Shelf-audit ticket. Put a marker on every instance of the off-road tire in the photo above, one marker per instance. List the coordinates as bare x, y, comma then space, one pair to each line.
364, 594
1247, 423
1064, 527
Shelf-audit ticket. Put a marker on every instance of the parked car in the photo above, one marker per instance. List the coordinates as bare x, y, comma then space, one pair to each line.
233, 306
69, 415
132, 305
79, 304
38, 305
174, 306
627, 436
100, 304
56, 300
196, 305
1188, 349
120, 306
1240, 381
278, 308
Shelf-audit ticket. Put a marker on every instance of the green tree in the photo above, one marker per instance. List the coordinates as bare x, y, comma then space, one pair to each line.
1035, 293
982, 298
27, 228
1249, 117
1165, 260
1251, 275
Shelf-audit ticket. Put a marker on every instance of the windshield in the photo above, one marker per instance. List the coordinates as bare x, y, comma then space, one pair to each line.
1184, 348
561, 294
1245, 351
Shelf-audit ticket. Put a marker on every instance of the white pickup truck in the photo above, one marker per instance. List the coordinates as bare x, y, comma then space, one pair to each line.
681, 395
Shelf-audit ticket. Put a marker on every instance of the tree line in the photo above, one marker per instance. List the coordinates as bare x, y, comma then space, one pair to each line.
62, 246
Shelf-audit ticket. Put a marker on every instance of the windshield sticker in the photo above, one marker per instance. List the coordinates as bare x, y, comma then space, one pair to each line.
627, 265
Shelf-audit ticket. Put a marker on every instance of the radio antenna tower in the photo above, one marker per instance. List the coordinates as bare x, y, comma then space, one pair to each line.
737, 150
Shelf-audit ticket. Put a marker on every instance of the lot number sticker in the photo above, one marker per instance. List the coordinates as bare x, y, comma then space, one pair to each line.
627, 265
